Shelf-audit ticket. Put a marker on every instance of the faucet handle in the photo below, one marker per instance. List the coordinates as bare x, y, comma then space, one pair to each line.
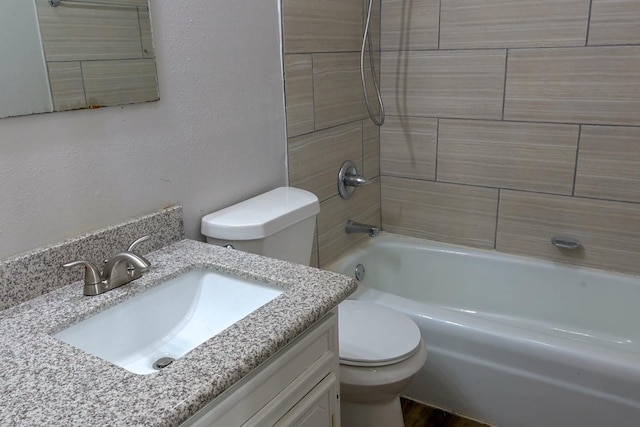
349, 179
132, 247
92, 275
357, 180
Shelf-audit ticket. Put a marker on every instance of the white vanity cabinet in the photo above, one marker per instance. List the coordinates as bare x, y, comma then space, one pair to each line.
298, 386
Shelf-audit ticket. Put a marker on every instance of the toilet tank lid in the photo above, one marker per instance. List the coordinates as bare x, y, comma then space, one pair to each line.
261, 216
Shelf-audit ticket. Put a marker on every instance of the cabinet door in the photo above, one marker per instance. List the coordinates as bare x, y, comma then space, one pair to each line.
317, 408
271, 390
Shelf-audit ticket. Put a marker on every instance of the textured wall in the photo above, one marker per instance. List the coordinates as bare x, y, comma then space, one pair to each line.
513, 122
216, 136
326, 116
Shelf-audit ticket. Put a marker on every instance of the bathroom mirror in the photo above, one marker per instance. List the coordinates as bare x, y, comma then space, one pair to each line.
59, 55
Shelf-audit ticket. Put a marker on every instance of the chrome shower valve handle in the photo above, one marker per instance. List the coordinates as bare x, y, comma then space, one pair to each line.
349, 179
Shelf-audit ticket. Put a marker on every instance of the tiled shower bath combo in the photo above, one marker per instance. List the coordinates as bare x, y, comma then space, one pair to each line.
508, 124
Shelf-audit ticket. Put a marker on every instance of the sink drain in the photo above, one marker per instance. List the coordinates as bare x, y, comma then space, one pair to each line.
163, 362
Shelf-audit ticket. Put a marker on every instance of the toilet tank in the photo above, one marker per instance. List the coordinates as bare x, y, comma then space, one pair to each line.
278, 224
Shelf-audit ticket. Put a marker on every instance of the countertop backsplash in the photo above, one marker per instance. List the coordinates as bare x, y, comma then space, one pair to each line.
35, 273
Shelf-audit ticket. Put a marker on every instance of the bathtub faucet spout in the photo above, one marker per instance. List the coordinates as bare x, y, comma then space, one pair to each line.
356, 227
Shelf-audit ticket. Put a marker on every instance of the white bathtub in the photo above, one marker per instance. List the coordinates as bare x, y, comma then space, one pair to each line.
512, 341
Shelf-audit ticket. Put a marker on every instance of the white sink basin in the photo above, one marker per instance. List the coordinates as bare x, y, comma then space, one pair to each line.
169, 320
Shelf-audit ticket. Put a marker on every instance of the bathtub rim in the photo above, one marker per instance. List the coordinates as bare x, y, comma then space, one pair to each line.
464, 250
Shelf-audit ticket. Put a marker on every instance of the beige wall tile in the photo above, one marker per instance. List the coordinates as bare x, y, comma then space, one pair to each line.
370, 149
120, 82
609, 163
363, 206
609, 231
144, 20
321, 26
410, 25
298, 74
523, 156
461, 84
337, 89
67, 88
466, 24
408, 147
614, 22
89, 32
598, 85
452, 213
315, 158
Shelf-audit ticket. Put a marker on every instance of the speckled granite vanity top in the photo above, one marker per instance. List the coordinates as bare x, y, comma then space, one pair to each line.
47, 382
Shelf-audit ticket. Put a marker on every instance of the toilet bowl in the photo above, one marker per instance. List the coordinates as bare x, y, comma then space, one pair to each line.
380, 349
380, 352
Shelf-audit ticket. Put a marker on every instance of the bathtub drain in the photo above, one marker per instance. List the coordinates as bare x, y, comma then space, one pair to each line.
360, 272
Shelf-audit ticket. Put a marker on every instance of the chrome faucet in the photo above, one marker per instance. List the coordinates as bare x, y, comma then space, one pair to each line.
126, 264
119, 270
357, 227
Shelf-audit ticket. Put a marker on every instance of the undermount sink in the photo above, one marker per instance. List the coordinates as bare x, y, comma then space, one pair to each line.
166, 322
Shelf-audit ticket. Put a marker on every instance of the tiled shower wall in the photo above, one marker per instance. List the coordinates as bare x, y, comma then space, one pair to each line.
509, 122
326, 116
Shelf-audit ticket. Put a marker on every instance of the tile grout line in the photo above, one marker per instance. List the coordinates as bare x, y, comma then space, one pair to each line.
84, 86
495, 233
520, 121
313, 91
435, 178
504, 87
439, 22
586, 38
362, 152
575, 167
140, 31
418, 49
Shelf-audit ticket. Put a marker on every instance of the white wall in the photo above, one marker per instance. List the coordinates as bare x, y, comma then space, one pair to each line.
216, 136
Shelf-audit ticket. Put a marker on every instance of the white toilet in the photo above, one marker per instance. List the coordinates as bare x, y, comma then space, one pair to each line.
380, 352
380, 349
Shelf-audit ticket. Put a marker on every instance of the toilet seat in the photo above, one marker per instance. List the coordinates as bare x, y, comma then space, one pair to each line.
373, 335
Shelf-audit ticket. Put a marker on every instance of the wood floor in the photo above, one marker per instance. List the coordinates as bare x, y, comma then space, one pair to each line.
418, 415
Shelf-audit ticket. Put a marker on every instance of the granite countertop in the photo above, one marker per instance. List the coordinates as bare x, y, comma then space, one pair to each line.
47, 382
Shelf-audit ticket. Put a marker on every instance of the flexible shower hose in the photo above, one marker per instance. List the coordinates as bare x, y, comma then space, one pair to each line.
366, 38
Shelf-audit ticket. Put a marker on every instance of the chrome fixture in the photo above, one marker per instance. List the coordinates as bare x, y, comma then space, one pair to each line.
356, 227
56, 3
567, 243
359, 273
119, 270
366, 38
163, 362
349, 179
